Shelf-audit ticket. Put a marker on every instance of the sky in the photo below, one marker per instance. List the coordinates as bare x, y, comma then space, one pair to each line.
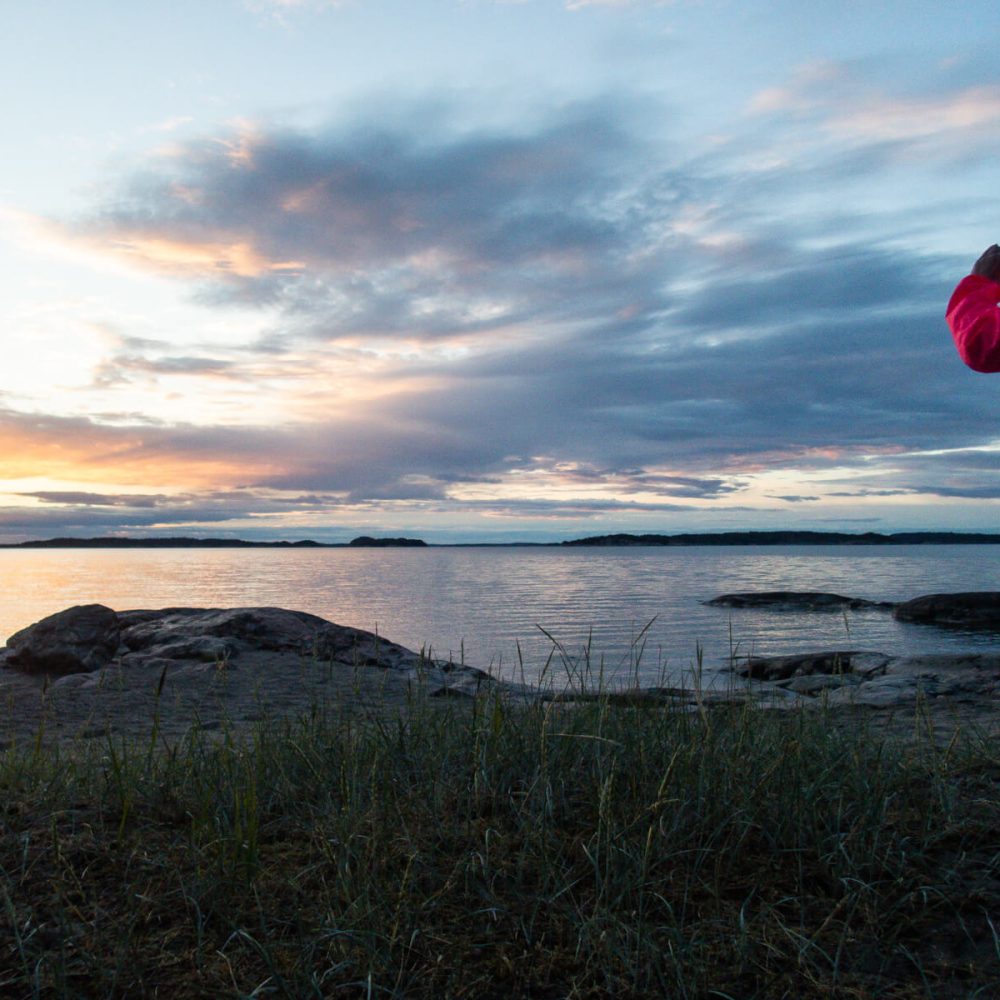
498, 271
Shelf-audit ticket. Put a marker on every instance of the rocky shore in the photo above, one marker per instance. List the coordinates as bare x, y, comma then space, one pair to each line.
90, 671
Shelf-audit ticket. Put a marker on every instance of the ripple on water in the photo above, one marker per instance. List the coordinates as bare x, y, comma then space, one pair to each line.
484, 603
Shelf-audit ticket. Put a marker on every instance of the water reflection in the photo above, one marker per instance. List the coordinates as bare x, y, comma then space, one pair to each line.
491, 605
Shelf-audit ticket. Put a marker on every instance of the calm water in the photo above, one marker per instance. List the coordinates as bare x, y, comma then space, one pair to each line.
487, 600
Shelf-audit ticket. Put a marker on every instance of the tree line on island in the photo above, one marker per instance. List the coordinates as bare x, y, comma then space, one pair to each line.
796, 538
362, 541
618, 539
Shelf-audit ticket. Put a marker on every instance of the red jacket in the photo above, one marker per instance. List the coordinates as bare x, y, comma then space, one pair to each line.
975, 322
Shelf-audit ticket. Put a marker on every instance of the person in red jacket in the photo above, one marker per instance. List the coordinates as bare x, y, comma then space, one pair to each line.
973, 314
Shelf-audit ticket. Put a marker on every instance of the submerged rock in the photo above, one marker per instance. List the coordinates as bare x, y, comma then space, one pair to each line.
794, 600
975, 609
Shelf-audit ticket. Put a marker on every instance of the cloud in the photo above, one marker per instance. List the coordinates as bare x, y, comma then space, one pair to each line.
394, 232
601, 4
949, 474
257, 513
975, 110
84, 499
563, 318
582, 4
135, 451
281, 9
967, 492
123, 368
870, 493
840, 105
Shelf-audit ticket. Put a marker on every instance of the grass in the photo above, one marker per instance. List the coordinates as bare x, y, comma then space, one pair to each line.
498, 849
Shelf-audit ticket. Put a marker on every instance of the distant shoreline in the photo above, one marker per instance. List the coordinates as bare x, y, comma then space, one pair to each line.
620, 540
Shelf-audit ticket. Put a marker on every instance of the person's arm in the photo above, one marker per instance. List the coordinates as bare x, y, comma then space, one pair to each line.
973, 314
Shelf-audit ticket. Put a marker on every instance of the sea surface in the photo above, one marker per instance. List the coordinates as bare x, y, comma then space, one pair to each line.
530, 612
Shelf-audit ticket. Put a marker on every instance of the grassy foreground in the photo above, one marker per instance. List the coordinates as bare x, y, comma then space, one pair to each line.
505, 851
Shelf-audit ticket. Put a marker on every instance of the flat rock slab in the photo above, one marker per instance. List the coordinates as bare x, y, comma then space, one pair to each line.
876, 679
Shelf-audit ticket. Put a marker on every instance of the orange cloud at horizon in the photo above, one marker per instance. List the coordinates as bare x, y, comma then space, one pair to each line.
78, 451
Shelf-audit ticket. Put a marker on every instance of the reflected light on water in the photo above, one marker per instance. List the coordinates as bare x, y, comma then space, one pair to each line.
484, 602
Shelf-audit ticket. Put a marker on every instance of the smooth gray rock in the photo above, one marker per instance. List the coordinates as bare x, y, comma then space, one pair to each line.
271, 629
212, 669
208, 634
203, 648
78, 640
794, 600
349, 645
973, 610
182, 641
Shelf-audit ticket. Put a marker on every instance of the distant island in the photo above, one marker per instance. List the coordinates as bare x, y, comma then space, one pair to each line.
385, 543
796, 538
609, 541
157, 543
204, 543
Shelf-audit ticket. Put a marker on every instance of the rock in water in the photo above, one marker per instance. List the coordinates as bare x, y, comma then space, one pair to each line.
976, 609
77, 640
793, 600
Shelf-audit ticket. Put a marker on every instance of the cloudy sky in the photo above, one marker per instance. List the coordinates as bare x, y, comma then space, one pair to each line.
486, 270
